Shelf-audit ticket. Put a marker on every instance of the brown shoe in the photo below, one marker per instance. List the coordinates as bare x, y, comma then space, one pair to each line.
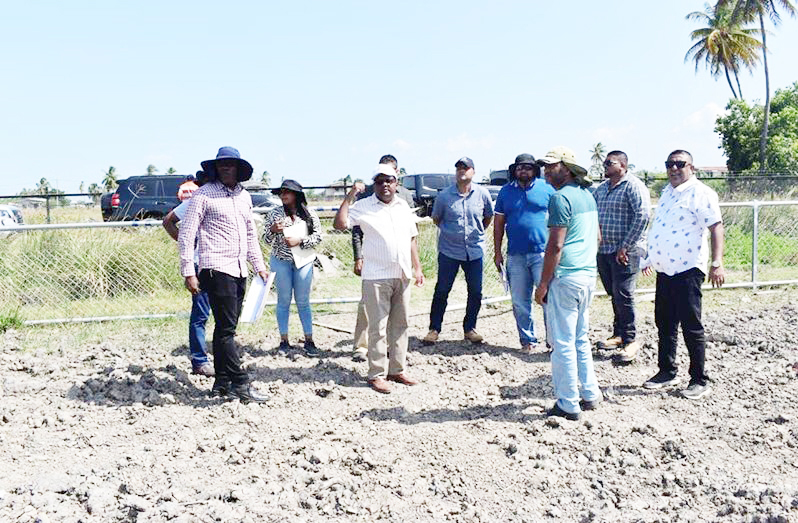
430, 338
402, 378
380, 385
206, 369
610, 343
473, 336
627, 353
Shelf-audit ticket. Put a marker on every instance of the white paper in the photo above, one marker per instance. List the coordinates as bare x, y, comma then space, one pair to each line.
255, 299
505, 281
301, 256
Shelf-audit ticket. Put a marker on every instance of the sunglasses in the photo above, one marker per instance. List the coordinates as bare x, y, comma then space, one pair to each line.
608, 163
383, 181
679, 164
525, 167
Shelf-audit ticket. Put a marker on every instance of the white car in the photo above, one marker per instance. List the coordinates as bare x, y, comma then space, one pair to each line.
10, 216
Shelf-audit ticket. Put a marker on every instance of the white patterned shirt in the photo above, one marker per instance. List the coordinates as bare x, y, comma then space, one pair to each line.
388, 229
677, 241
227, 237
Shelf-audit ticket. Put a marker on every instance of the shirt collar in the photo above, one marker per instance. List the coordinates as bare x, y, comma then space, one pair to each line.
686, 185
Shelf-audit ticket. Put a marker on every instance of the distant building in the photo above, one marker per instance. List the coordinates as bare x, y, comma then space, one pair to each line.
712, 171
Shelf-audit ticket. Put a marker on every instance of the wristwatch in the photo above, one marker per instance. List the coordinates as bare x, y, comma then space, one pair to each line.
715, 264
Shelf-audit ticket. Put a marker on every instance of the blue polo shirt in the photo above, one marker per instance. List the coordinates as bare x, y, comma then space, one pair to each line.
525, 215
574, 208
459, 216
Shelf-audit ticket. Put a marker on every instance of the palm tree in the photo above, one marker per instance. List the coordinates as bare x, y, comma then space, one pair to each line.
151, 169
266, 178
723, 45
171, 170
94, 190
749, 10
109, 180
597, 155
43, 187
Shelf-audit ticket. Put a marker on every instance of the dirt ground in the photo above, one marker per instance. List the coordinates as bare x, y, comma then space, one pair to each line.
105, 423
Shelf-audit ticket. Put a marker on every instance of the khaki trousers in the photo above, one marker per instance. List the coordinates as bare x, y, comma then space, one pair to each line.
386, 304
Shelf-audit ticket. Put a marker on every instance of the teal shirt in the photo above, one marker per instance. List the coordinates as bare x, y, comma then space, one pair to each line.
575, 209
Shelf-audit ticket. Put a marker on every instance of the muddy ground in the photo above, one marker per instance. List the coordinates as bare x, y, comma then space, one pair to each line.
105, 423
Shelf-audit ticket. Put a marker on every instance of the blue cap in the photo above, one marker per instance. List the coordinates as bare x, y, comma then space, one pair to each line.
465, 160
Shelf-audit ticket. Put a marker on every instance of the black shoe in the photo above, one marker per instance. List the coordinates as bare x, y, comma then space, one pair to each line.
220, 389
311, 349
660, 380
557, 411
246, 393
284, 347
589, 405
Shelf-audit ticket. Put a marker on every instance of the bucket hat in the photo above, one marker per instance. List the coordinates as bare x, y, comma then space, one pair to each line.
523, 158
293, 186
567, 156
225, 153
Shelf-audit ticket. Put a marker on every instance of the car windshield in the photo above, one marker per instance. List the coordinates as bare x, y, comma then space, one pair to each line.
437, 181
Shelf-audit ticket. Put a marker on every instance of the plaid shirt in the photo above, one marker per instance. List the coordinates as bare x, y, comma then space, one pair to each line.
623, 213
277, 239
227, 236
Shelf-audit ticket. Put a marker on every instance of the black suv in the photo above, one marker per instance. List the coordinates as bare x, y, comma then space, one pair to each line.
425, 188
142, 197
153, 196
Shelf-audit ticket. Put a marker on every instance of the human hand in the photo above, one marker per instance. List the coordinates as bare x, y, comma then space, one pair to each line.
498, 259
541, 293
356, 189
648, 271
717, 276
358, 270
277, 226
292, 242
192, 284
419, 277
264, 275
622, 256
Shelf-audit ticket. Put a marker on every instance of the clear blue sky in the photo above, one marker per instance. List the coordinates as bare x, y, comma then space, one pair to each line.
318, 90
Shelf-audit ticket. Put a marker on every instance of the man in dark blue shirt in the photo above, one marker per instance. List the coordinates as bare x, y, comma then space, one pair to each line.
522, 212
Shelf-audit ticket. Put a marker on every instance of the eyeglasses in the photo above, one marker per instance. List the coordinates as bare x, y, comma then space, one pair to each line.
384, 181
525, 167
679, 164
608, 163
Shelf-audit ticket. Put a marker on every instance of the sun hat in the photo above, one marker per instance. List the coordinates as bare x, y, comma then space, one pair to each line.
294, 187
523, 158
385, 169
225, 153
568, 157
465, 160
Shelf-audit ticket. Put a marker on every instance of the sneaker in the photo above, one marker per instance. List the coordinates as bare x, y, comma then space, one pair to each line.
610, 343
220, 388
627, 352
659, 381
473, 336
430, 338
557, 411
204, 369
696, 391
284, 347
360, 353
311, 349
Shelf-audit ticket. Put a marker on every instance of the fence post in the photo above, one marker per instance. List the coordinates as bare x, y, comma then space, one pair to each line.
47, 203
754, 245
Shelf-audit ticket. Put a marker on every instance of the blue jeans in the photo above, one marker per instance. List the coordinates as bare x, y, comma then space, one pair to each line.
200, 311
447, 272
523, 273
290, 280
619, 282
567, 325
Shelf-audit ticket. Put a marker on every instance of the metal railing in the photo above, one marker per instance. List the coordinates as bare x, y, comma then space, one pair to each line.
124, 270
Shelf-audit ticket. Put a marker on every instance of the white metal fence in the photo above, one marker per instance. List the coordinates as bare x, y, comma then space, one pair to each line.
91, 271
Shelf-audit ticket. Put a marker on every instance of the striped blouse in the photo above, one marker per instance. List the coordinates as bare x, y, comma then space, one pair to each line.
277, 239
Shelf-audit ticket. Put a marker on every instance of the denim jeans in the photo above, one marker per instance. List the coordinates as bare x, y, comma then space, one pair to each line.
200, 311
678, 301
289, 280
447, 272
226, 295
567, 325
523, 273
619, 282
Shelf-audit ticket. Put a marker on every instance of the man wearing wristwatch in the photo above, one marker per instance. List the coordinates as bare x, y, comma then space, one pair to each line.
688, 212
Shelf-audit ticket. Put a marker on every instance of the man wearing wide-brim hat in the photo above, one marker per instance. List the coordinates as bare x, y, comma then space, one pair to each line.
568, 282
221, 212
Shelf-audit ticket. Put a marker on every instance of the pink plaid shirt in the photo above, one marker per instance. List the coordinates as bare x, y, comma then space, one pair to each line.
227, 238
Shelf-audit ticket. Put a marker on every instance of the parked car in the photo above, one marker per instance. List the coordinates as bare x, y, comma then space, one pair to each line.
425, 188
10, 215
153, 196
